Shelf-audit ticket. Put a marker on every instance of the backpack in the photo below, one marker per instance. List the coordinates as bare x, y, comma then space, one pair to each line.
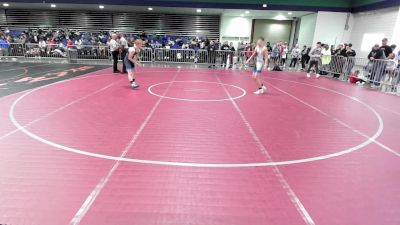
276, 68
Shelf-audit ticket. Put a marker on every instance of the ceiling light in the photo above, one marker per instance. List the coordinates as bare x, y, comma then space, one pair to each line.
279, 17
198, 10
290, 13
265, 5
247, 12
53, 5
150, 9
6, 4
101, 6
241, 14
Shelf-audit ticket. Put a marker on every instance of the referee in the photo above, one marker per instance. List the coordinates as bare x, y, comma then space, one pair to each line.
124, 50
114, 48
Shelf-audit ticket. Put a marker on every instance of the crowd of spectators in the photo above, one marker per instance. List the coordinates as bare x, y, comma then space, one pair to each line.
58, 41
68, 38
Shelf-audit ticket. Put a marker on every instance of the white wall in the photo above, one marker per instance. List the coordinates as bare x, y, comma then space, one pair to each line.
396, 32
330, 28
292, 34
235, 28
365, 29
307, 29
370, 27
273, 30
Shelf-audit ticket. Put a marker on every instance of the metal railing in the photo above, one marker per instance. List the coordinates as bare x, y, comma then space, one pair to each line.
146, 55
377, 72
174, 55
12, 50
90, 52
45, 51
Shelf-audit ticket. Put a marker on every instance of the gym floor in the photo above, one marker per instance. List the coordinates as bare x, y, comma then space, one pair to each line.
194, 146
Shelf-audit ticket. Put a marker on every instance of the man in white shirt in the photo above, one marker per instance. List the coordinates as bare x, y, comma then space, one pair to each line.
114, 48
42, 46
124, 49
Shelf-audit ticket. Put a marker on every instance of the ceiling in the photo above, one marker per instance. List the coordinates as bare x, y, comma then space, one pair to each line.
286, 5
262, 14
255, 14
312, 3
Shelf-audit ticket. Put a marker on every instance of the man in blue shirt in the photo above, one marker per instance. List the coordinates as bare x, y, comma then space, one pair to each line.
3, 46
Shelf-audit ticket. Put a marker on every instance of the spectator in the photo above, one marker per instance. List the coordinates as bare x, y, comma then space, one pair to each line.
42, 46
185, 46
340, 50
350, 61
315, 57
339, 62
248, 51
143, 35
386, 49
225, 48
376, 64
217, 44
326, 59
349, 51
392, 55
275, 53
3, 46
70, 44
51, 45
241, 47
391, 65
212, 48
280, 47
269, 48
284, 53
231, 53
295, 54
207, 43
304, 57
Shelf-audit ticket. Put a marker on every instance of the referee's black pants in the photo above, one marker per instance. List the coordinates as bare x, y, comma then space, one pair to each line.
115, 60
123, 54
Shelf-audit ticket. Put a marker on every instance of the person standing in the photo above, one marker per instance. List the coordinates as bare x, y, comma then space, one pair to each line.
339, 60
326, 59
42, 47
124, 49
131, 60
315, 57
393, 54
212, 54
269, 48
304, 57
224, 53
70, 43
275, 53
114, 48
240, 49
261, 55
386, 48
231, 54
284, 54
376, 57
2, 46
295, 53
350, 60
